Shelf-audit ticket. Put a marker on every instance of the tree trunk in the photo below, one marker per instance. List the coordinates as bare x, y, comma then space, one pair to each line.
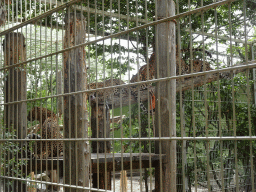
166, 97
15, 118
76, 153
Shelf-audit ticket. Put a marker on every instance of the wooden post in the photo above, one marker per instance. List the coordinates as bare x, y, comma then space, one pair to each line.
166, 97
123, 181
32, 187
100, 124
76, 153
15, 90
3, 12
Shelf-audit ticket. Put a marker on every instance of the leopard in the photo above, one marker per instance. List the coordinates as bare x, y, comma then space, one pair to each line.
48, 128
107, 94
147, 72
142, 76
40, 114
180, 63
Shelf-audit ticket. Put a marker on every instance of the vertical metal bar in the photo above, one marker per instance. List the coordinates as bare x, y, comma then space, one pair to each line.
249, 98
89, 81
171, 60
51, 93
75, 108
17, 105
18, 131
150, 110
182, 108
113, 135
193, 100
105, 104
12, 82
59, 101
206, 108
233, 101
139, 97
219, 103
69, 111
158, 124
97, 104
64, 130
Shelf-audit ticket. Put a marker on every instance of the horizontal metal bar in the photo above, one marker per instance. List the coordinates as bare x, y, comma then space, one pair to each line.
100, 12
226, 138
56, 184
125, 32
39, 17
218, 36
251, 64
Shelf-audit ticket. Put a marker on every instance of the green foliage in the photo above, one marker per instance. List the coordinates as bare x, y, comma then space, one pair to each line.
237, 117
10, 151
134, 126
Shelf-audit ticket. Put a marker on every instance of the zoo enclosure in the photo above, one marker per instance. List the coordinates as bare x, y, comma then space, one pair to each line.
215, 113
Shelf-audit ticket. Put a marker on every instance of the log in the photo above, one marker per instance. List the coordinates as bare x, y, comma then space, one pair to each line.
183, 83
165, 115
76, 155
15, 90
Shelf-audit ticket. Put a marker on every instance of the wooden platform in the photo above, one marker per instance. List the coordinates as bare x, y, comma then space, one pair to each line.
117, 161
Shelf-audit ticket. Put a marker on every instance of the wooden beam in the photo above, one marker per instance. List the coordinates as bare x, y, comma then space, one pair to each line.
129, 160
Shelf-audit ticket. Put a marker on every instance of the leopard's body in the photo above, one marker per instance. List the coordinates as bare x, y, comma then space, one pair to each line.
106, 93
40, 114
48, 129
147, 72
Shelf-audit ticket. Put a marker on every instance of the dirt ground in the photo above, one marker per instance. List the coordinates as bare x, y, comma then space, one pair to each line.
133, 185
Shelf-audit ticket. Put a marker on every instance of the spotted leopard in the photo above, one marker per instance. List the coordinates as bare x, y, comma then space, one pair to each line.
40, 114
142, 76
147, 72
106, 93
48, 129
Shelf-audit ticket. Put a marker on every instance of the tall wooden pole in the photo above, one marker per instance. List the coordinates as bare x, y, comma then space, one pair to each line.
15, 90
76, 153
166, 97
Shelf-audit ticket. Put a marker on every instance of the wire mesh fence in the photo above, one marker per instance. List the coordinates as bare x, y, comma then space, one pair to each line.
137, 95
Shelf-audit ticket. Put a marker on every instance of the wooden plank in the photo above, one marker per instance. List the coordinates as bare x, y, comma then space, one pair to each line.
112, 160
